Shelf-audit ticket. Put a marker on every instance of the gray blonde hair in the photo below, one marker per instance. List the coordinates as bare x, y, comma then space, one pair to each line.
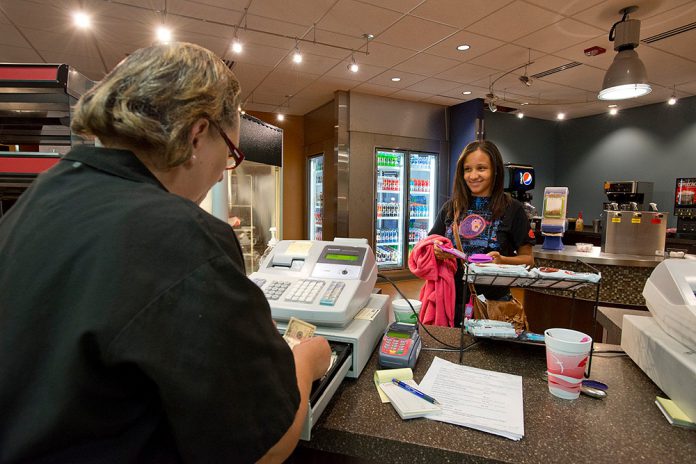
150, 101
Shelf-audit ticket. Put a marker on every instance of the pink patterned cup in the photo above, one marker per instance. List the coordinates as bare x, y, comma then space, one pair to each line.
567, 354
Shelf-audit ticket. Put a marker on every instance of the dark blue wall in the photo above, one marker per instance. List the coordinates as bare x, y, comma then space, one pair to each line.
526, 141
653, 143
462, 129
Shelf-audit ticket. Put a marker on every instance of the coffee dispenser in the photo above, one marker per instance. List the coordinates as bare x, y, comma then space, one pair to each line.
627, 195
685, 207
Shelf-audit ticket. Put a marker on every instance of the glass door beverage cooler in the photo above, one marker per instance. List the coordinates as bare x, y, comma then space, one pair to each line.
316, 196
405, 210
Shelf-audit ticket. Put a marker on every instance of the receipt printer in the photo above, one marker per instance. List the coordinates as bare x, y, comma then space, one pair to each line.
325, 283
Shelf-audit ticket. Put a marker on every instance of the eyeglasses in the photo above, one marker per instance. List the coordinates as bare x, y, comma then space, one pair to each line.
235, 155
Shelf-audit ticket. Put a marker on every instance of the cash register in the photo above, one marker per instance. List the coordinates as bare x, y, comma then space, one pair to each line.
664, 346
328, 284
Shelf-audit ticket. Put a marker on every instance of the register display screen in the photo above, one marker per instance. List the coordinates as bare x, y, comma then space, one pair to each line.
393, 334
338, 257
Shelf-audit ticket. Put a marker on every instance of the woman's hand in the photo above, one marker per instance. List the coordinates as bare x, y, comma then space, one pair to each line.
497, 257
439, 254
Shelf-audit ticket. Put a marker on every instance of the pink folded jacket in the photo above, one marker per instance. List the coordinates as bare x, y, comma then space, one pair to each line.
438, 294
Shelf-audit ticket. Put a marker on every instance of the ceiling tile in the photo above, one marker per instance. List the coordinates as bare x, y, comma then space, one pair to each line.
11, 37
254, 53
301, 12
19, 55
311, 64
672, 19
122, 31
606, 13
583, 77
89, 67
665, 68
466, 72
478, 43
365, 71
403, 6
260, 38
374, 89
76, 44
327, 86
332, 38
566, 7
407, 94
506, 57
687, 89
385, 55
407, 79
415, 33
425, 64
514, 21
576, 53
48, 17
434, 86
203, 10
444, 101
250, 75
274, 26
559, 36
458, 13
352, 18
286, 82
476, 92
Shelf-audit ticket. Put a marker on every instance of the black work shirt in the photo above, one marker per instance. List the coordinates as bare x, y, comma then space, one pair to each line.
128, 329
480, 233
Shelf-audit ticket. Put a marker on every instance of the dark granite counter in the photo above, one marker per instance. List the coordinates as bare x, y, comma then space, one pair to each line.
625, 427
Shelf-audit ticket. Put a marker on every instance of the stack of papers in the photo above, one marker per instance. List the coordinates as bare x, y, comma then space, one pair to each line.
406, 404
483, 400
673, 413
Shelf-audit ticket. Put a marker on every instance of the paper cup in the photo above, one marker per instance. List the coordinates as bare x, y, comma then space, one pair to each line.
567, 354
403, 313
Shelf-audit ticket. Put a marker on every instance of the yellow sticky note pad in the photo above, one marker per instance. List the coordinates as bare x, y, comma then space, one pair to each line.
386, 375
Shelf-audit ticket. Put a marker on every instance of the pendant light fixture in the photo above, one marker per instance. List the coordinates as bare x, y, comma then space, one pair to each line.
626, 77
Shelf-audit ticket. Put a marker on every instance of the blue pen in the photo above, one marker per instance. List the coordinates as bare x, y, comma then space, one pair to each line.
418, 393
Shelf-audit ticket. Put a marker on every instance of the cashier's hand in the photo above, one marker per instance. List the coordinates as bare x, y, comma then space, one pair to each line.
439, 254
315, 353
497, 258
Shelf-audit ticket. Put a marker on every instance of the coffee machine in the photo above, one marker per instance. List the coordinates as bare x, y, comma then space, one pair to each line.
519, 180
685, 207
627, 195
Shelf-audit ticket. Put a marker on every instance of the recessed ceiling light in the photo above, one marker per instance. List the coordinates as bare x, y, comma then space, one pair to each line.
281, 117
466, 92
237, 46
560, 116
82, 20
164, 34
613, 111
613, 106
672, 100
297, 56
396, 79
463, 47
520, 115
525, 103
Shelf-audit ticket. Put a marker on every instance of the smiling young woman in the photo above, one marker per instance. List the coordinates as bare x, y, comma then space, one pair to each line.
485, 218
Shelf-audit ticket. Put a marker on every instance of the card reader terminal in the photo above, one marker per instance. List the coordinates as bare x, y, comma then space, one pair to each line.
400, 346
325, 283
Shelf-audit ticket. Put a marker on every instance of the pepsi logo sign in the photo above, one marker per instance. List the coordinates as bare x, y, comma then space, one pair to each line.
525, 178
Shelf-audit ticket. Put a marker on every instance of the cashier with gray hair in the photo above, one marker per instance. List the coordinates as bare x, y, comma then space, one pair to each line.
128, 329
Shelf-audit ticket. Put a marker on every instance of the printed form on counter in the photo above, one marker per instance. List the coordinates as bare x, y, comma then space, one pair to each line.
483, 400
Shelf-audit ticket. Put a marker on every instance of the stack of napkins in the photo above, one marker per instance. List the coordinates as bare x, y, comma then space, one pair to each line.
673, 413
489, 328
407, 405
498, 274
553, 273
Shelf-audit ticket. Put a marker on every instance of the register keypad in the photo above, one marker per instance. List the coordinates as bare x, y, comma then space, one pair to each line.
332, 293
275, 288
304, 291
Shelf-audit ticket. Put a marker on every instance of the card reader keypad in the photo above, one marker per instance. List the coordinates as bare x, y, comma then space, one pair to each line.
304, 291
275, 288
332, 293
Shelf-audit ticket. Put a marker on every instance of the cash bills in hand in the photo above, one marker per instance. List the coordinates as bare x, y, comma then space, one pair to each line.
297, 331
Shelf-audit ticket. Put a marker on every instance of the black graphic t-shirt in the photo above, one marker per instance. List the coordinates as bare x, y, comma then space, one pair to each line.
479, 233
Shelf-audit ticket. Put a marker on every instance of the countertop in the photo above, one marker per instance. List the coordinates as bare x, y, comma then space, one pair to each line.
625, 427
596, 256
